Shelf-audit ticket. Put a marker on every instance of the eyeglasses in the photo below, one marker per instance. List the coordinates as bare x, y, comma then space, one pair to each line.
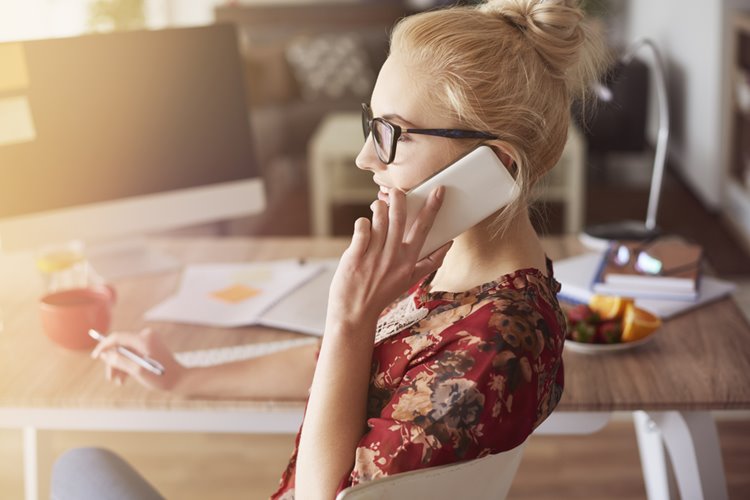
644, 257
385, 134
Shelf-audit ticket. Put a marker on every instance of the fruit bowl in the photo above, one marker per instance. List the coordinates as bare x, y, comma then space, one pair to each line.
584, 348
608, 324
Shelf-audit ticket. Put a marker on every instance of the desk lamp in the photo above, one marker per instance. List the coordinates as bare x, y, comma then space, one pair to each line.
600, 235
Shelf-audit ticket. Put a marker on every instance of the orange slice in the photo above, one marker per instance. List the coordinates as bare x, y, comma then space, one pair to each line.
609, 307
638, 324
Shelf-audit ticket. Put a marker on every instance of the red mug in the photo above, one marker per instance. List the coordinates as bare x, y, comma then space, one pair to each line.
67, 316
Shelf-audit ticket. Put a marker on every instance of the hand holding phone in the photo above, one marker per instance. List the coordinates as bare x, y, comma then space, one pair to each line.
476, 186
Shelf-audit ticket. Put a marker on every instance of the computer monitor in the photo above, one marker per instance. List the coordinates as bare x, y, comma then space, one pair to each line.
109, 135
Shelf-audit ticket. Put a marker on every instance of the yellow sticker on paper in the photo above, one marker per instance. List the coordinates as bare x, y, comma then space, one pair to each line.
236, 293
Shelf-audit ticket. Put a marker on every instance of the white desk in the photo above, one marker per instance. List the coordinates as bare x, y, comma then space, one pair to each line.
695, 365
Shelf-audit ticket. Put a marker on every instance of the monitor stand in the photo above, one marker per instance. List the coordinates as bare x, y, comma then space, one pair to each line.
131, 257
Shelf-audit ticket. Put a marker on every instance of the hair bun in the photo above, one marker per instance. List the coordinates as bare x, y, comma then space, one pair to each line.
553, 26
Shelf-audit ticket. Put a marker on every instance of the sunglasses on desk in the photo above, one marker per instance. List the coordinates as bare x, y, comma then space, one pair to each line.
644, 259
385, 134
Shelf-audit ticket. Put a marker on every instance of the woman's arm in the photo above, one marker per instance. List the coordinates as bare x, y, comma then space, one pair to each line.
379, 265
284, 374
335, 417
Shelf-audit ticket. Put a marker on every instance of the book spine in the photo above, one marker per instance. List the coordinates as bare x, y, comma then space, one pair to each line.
599, 274
573, 294
664, 284
607, 289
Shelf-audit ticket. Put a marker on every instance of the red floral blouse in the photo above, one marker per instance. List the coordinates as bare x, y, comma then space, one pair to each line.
475, 376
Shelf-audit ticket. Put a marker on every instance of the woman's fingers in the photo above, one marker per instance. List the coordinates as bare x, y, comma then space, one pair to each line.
118, 376
360, 238
135, 341
117, 362
379, 228
396, 220
118, 367
115, 375
423, 223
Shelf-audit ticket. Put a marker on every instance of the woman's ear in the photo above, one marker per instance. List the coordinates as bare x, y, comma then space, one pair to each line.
506, 156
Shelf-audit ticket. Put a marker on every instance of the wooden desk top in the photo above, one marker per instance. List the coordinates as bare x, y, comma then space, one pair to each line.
697, 361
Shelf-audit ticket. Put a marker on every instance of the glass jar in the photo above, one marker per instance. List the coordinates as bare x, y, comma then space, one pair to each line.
63, 266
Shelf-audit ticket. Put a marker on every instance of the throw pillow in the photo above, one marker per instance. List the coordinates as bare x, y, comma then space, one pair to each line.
330, 66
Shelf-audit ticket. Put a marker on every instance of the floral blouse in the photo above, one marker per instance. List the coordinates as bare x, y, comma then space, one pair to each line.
475, 376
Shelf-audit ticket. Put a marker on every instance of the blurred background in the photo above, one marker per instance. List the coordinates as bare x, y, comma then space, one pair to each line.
306, 66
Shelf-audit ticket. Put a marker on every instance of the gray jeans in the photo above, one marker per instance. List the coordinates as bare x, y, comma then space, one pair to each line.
96, 473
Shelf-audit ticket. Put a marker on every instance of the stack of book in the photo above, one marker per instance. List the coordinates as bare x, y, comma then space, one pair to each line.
663, 276
666, 268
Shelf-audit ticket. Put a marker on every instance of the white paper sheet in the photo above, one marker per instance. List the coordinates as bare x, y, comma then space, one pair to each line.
230, 295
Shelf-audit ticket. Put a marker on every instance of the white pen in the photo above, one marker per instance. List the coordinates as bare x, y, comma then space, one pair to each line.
149, 364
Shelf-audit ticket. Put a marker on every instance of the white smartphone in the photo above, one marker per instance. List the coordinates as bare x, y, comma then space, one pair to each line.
476, 186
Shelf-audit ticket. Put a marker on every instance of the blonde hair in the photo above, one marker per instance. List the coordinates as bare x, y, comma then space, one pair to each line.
509, 67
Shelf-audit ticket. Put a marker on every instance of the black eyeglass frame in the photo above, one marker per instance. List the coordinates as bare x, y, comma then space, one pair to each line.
396, 131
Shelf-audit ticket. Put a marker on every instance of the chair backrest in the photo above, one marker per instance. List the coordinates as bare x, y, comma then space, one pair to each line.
486, 478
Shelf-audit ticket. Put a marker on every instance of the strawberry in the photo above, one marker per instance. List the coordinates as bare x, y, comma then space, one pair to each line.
582, 313
608, 332
583, 332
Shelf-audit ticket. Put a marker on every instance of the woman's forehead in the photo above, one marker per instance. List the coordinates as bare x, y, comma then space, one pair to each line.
398, 93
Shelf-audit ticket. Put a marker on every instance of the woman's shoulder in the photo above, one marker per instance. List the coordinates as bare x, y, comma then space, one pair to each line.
522, 301
492, 314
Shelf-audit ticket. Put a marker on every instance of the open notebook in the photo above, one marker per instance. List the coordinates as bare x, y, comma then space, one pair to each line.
304, 309
286, 294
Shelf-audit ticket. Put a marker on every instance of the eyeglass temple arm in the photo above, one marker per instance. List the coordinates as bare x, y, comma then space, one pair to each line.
447, 132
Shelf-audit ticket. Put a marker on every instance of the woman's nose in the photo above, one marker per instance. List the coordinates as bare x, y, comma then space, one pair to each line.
367, 159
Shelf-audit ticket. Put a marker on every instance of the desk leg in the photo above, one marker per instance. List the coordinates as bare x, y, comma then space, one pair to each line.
692, 441
30, 465
653, 460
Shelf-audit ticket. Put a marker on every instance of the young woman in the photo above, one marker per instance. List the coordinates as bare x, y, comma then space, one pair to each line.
458, 355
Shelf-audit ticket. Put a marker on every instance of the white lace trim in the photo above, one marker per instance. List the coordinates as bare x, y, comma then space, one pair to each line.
402, 316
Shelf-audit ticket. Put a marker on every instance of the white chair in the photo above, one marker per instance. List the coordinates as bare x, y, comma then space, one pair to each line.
486, 478
334, 177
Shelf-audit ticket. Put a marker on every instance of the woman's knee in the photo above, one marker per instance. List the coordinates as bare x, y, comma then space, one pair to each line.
97, 473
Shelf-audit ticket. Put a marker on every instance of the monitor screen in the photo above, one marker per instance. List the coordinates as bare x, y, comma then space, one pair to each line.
121, 115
